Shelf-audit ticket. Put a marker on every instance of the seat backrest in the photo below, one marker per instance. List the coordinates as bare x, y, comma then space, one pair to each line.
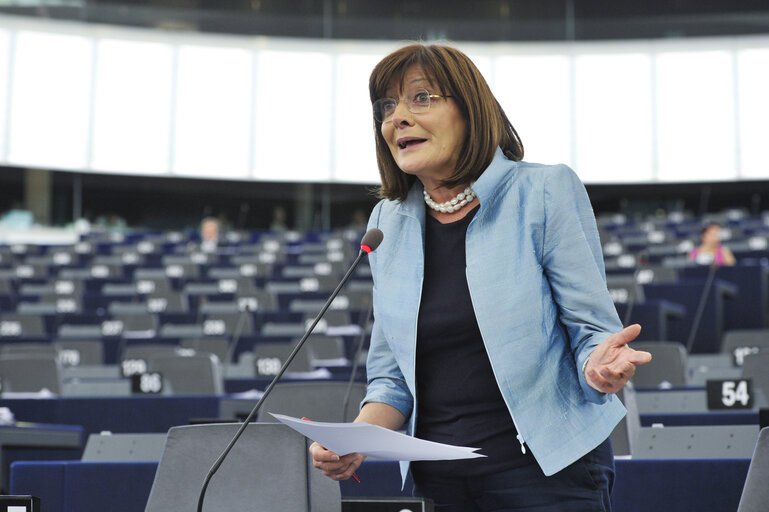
81, 352
34, 348
326, 348
756, 368
220, 347
668, 365
696, 442
30, 373
123, 447
741, 342
195, 374
624, 289
269, 469
319, 401
755, 494
20, 325
270, 356
625, 434
282, 329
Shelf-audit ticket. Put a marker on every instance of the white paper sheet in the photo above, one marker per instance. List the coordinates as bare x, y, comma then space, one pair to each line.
375, 441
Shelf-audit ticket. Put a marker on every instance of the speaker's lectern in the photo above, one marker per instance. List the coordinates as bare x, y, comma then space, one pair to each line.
269, 470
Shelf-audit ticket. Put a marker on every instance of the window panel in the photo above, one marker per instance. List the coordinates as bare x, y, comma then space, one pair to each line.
695, 116
534, 92
132, 107
613, 130
51, 86
753, 79
293, 116
213, 103
355, 150
5, 37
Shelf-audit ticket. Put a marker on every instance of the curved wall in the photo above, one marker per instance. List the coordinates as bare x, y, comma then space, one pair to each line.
104, 99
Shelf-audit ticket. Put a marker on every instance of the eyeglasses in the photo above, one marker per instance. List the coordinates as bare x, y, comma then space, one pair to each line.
417, 101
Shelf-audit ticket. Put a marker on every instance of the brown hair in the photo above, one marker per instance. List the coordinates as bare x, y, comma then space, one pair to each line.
487, 124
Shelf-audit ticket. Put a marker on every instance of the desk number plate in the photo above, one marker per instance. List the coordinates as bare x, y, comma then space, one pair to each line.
730, 394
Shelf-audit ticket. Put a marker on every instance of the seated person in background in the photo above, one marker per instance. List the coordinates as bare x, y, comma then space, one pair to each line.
209, 234
710, 250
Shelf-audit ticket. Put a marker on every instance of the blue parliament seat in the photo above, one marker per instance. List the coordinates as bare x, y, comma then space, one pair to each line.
688, 292
749, 309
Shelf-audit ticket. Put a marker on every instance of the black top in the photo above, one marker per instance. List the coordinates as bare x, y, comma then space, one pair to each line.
459, 402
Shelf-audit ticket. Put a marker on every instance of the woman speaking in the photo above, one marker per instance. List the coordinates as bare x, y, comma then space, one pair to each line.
493, 325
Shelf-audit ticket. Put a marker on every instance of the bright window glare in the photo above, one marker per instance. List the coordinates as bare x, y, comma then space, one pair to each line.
754, 112
51, 100
484, 65
213, 98
353, 130
613, 117
293, 116
132, 107
4, 78
695, 116
534, 92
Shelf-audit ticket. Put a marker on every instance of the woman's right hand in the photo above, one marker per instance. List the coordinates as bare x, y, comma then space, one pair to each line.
334, 466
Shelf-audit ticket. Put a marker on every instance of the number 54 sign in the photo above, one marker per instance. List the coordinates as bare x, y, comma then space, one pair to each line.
730, 394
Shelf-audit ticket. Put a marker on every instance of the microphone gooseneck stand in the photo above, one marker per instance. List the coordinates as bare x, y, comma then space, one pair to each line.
356, 360
369, 243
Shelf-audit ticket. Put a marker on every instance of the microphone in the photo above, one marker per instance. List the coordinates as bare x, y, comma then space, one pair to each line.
369, 243
237, 333
641, 260
356, 358
701, 307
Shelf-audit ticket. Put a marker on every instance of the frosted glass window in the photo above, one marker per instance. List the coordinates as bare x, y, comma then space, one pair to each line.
51, 87
4, 77
132, 107
695, 116
753, 78
484, 65
355, 152
613, 118
213, 105
294, 118
534, 92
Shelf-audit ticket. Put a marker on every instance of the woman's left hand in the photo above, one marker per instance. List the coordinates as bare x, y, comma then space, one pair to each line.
612, 363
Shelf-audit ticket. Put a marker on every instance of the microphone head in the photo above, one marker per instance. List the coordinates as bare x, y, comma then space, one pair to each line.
371, 240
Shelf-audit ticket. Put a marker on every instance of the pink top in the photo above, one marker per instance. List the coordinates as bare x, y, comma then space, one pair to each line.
718, 257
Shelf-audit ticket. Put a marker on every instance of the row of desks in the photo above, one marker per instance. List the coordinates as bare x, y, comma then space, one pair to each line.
714, 485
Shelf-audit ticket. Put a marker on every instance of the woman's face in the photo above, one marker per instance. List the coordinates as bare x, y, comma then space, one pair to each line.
712, 235
426, 144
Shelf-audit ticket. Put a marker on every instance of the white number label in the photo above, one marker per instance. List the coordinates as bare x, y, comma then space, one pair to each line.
10, 328
214, 327
733, 392
111, 328
729, 394
69, 357
741, 352
150, 383
133, 367
268, 366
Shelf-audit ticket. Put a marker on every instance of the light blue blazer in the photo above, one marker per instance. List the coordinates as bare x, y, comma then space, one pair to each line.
537, 283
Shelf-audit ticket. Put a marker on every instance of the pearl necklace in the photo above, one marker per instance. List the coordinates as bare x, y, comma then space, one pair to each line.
451, 205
